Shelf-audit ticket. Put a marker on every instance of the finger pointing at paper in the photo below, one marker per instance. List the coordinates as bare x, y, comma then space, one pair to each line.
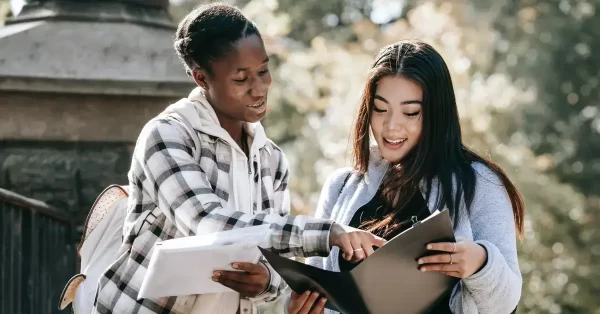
355, 244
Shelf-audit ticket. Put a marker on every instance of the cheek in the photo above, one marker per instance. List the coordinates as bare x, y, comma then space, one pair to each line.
237, 92
416, 128
376, 126
267, 80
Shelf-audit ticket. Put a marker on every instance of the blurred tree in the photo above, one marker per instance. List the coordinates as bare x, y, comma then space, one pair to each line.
551, 45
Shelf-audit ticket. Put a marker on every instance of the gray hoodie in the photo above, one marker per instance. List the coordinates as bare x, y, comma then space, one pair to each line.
496, 288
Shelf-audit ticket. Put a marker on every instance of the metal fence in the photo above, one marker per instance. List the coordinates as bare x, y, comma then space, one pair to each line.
37, 255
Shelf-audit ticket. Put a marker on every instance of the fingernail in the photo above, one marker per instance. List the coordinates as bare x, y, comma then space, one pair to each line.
306, 293
316, 294
215, 279
217, 274
429, 246
423, 269
324, 300
235, 266
420, 261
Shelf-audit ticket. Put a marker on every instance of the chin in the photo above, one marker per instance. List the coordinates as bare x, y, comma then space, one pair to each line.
253, 117
393, 157
394, 160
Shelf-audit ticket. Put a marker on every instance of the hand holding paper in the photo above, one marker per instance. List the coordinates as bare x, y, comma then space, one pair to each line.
250, 280
185, 266
459, 259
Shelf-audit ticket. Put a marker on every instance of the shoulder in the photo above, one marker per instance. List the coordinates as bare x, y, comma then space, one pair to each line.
487, 181
274, 149
490, 195
485, 175
338, 178
331, 190
276, 155
163, 127
162, 134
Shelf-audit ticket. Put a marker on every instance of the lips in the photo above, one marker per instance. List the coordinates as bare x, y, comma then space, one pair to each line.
258, 102
395, 141
256, 105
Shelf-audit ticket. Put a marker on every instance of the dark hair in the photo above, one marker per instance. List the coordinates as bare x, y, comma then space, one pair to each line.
209, 33
440, 153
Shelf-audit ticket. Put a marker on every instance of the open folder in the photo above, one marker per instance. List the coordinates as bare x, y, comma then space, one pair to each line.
386, 282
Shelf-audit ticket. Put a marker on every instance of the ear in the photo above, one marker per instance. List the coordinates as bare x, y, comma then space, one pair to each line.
200, 77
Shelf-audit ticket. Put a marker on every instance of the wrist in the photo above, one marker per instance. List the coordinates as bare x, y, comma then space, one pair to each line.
333, 230
269, 278
484, 258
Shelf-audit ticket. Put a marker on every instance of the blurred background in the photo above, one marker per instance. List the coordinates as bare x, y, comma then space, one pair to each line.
78, 79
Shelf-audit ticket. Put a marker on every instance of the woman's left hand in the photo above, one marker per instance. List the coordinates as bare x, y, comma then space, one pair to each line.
463, 258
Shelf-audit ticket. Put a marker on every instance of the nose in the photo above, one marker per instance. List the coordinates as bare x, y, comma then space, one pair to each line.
394, 121
259, 87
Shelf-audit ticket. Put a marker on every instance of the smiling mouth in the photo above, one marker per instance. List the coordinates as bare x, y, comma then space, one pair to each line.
395, 142
257, 105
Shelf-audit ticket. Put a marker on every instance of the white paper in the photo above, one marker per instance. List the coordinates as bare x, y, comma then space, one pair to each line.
185, 266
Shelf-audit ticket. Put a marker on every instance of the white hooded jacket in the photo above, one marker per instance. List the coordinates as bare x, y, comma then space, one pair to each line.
189, 177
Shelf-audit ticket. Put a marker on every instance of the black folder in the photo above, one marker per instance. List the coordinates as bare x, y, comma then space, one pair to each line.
387, 282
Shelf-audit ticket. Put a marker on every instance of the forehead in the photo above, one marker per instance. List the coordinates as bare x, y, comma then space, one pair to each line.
247, 53
397, 89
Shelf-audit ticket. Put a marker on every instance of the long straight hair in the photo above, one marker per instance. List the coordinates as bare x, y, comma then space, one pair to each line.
440, 153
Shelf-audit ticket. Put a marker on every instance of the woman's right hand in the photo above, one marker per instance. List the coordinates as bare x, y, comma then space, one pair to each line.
355, 244
303, 303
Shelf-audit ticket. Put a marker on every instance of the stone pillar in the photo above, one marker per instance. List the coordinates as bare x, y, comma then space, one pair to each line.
78, 80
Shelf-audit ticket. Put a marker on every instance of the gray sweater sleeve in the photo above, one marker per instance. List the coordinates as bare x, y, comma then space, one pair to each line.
329, 195
496, 288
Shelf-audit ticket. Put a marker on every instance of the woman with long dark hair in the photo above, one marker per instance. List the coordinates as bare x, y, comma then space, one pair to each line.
419, 164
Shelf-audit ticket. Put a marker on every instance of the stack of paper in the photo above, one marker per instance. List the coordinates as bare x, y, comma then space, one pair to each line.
185, 266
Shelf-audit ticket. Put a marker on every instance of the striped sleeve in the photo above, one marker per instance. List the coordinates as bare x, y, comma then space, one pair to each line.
185, 193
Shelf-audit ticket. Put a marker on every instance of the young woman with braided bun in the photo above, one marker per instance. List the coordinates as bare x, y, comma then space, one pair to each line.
205, 165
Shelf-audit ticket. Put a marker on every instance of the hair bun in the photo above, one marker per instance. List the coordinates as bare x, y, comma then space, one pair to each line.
181, 44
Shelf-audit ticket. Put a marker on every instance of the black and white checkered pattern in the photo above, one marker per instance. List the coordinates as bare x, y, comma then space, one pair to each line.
174, 195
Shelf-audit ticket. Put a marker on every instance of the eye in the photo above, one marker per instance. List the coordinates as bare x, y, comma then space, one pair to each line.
263, 72
412, 114
241, 80
378, 110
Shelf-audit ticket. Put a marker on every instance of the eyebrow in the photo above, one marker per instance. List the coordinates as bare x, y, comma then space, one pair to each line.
246, 69
406, 102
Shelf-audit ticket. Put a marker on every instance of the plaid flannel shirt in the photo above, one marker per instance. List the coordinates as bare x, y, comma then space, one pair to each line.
173, 195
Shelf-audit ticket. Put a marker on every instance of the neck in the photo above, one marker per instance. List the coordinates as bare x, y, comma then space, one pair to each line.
233, 127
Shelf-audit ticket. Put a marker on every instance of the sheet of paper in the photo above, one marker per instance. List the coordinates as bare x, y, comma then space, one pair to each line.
184, 266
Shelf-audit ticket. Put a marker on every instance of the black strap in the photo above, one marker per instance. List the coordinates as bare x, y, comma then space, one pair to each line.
344, 183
